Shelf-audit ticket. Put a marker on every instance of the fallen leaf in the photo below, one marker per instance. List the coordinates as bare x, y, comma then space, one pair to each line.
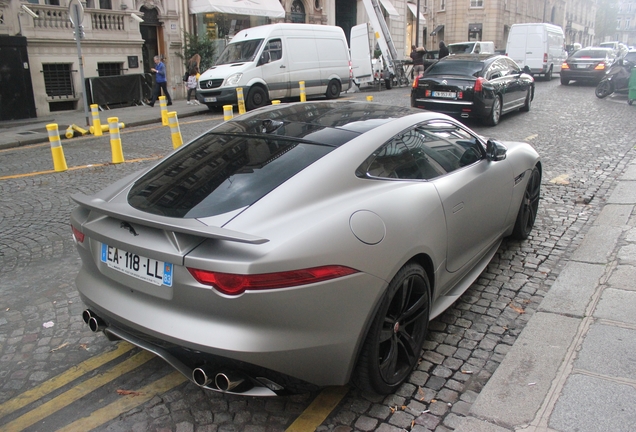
516, 309
84, 346
60, 347
433, 400
128, 392
412, 423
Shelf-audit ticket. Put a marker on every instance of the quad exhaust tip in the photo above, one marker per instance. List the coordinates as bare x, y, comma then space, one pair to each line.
227, 381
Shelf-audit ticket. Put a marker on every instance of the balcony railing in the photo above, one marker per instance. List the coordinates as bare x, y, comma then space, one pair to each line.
95, 20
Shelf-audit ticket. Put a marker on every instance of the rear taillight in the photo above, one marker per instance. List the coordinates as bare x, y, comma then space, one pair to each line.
565, 66
600, 66
235, 284
545, 57
479, 84
79, 236
416, 81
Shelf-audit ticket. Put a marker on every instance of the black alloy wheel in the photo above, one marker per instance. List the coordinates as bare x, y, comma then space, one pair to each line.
256, 98
394, 343
529, 206
604, 89
495, 113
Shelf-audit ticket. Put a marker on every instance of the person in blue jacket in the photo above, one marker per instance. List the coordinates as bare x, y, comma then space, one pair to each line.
160, 82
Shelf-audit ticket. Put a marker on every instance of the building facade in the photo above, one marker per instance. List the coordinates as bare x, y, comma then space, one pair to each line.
626, 23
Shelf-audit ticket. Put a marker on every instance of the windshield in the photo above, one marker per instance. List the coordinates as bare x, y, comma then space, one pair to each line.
461, 67
240, 52
461, 48
592, 53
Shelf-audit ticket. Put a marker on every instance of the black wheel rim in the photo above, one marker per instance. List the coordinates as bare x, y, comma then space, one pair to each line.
403, 329
531, 201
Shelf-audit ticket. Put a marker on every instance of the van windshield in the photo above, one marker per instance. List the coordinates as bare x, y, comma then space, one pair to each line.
240, 52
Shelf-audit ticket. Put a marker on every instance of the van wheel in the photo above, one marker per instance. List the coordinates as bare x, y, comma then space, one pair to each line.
256, 98
548, 76
333, 89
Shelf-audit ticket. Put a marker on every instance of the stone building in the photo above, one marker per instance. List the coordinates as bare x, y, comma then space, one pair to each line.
626, 23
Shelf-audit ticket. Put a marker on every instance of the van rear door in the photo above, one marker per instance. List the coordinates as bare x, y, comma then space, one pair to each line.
536, 48
516, 46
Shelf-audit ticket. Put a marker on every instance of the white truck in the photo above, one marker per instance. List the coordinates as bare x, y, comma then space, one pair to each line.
269, 61
540, 46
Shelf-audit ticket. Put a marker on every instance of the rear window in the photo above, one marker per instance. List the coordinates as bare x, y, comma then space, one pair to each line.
583, 53
220, 173
456, 67
461, 48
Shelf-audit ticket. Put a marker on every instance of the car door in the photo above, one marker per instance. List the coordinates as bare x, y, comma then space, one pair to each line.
475, 192
497, 74
274, 69
518, 88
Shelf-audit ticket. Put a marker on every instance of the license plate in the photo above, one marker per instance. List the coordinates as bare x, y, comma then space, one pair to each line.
137, 266
209, 99
443, 94
581, 66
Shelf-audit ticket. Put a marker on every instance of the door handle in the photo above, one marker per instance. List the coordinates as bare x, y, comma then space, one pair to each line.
283, 66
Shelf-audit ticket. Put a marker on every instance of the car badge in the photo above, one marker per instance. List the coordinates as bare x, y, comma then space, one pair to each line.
129, 227
444, 82
209, 84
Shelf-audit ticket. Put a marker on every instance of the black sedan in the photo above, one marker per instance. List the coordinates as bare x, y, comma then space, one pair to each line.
481, 86
587, 64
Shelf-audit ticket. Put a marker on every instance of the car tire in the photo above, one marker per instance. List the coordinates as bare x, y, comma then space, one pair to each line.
333, 89
394, 342
256, 98
548, 76
388, 83
526, 106
527, 214
495, 113
565, 81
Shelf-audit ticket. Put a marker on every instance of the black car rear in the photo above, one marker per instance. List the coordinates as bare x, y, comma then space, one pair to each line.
473, 85
587, 64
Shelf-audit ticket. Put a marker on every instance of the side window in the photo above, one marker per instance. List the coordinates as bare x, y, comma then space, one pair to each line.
514, 68
275, 50
450, 146
497, 69
423, 153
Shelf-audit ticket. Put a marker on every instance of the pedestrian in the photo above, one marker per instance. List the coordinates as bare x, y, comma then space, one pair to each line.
443, 50
417, 54
192, 87
193, 63
160, 82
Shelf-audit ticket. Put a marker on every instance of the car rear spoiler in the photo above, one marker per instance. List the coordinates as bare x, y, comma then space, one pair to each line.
187, 226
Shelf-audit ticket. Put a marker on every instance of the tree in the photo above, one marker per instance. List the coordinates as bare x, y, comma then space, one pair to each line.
606, 16
194, 44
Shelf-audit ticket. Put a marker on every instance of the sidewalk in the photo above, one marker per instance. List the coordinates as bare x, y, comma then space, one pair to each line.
573, 368
17, 133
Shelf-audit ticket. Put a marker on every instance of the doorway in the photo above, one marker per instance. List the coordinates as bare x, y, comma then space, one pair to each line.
346, 12
16, 88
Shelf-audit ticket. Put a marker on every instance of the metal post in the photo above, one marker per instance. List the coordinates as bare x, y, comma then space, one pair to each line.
78, 36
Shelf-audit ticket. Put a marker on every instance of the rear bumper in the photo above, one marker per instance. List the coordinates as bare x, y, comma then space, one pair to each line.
459, 109
582, 75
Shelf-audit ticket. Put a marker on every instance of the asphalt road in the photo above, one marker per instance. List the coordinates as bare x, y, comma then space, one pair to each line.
57, 375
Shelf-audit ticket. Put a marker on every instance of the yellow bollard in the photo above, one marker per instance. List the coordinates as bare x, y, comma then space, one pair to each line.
70, 133
276, 102
228, 112
79, 130
59, 162
369, 98
96, 123
177, 140
303, 94
241, 101
115, 140
106, 128
164, 110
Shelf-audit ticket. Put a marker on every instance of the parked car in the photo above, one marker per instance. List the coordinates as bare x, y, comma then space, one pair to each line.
300, 245
540, 46
587, 64
481, 86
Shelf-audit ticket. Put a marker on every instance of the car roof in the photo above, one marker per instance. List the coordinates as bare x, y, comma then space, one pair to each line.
329, 123
474, 57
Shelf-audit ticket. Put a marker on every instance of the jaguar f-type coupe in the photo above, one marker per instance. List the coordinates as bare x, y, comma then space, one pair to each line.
301, 245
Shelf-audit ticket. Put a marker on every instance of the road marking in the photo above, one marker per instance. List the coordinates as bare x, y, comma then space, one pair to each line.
16, 176
531, 137
80, 390
126, 403
62, 379
318, 410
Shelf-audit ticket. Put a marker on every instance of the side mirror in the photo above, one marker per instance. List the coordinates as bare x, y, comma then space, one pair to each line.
526, 69
495, 150
264, 58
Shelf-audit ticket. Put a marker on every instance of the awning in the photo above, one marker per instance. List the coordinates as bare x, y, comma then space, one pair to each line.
438, 29
413, 9
267, 8
390, 8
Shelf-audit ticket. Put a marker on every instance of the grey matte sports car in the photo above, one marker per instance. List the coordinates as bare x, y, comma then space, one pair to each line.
301, 245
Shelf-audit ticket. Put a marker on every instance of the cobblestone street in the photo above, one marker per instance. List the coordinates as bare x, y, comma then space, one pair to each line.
585, 144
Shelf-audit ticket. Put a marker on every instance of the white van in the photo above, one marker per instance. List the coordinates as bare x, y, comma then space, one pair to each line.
269, 61
538, 46
473, 47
